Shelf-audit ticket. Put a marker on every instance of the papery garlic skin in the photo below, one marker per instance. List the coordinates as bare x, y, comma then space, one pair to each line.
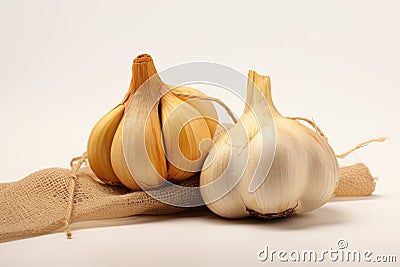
304, 169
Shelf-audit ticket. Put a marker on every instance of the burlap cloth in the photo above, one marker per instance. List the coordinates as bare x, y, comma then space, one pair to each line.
40, 203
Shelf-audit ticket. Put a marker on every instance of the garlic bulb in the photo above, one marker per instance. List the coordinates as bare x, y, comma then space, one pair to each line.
267, 165
174, 127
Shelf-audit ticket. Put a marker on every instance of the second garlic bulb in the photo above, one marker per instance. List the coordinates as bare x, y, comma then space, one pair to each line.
237, 181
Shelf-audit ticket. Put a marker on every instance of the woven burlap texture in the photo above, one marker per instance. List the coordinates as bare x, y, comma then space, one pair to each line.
355, 181
38, 204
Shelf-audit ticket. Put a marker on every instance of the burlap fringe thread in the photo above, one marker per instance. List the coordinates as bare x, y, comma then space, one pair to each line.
75, 164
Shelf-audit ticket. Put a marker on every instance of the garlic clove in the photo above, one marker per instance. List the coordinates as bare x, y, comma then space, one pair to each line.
206, 108
118, 160
142, 136
184, 131
145, 157
226, 164
99, 145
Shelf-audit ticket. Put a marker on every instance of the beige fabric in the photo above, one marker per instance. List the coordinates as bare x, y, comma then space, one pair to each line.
38, 204
355, 181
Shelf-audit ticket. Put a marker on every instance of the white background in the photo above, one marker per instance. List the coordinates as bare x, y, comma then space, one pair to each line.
63, 64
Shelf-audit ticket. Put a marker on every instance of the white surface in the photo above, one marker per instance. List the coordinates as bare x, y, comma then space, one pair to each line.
65, 63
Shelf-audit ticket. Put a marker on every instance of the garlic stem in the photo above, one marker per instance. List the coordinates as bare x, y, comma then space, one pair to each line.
142, 70
257, 95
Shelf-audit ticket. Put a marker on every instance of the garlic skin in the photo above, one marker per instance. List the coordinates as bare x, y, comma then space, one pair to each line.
303, 168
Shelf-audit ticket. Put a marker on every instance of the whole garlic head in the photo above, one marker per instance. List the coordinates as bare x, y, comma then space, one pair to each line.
153, 135
267, 166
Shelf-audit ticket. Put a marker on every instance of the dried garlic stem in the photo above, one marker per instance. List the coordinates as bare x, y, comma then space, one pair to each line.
311, 122
220, 102
363, 144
